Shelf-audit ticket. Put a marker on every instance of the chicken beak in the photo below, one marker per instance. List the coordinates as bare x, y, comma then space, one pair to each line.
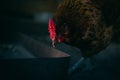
53, 43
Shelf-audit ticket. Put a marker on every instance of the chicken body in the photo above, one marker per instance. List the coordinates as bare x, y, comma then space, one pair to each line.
81, 23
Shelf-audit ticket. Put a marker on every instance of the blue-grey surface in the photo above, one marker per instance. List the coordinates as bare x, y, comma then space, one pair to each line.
18, 52
106, 66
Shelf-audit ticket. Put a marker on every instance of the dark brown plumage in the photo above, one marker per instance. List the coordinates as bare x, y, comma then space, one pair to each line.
85, 24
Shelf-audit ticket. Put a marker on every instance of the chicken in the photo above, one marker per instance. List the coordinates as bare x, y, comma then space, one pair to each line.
85, 24
116, 35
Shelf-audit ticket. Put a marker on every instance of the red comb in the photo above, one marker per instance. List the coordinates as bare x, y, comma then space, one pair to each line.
52, 29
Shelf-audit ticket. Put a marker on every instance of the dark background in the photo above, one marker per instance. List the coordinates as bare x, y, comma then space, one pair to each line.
30, 17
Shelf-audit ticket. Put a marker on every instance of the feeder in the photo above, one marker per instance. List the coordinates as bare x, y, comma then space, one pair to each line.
49, 64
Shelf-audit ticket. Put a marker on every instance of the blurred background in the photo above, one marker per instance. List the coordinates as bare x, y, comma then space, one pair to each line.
31, 17
26, 15
27, 9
